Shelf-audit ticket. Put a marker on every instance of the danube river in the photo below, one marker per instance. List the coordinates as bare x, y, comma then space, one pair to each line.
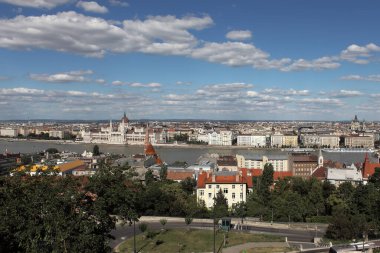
169, 154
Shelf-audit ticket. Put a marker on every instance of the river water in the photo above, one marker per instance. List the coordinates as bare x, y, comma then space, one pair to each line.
168, 154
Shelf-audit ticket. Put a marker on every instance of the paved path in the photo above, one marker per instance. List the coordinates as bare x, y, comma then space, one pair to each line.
250, 245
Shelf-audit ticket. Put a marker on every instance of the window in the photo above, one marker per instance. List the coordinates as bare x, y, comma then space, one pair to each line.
233, 195
225, 190
209, 186
241, 195
209, 195
217, 186
233, 186
201, 192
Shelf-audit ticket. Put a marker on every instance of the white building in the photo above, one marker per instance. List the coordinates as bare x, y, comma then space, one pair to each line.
8, 132
220, 138
251, 140
277, 140
56, 134
338, 176
255, 161
234, 185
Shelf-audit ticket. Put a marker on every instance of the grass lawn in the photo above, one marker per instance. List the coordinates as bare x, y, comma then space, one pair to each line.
183, 240
268, 250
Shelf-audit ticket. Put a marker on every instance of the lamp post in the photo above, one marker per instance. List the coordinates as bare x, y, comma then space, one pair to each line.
214, 221
134, 236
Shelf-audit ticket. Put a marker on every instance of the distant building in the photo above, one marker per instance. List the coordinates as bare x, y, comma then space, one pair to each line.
356, 141
225, 163
252, 140
8, 132
349, 174
255, 161
234, 185
368, 168
220, 138
302, 165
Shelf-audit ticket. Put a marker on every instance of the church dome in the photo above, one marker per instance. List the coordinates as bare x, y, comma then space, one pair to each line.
124, 118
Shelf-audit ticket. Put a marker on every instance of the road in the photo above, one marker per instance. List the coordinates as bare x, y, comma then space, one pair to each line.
303, 237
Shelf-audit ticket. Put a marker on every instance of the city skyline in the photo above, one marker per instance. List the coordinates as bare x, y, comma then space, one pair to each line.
217, 60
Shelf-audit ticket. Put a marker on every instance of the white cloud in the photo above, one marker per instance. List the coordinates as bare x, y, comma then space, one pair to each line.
346, 93
65, 77
118, 3
118, 83
36, 3
322, 63
183, 83
239, 35
91, 36
359, 54
290, 92
92, 6
370, 78
146, 85
100, 81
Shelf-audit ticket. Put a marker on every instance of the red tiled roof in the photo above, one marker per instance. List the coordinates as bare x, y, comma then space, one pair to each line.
368, 167
204, 178
179, 175
281, 174
320, 173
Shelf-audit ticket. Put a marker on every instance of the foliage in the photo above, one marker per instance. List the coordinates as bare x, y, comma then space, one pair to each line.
52, 150
163, 172
220, 206
163, 222
149, 177
239, 210
143, 227
95, 150
51, 214
188, 185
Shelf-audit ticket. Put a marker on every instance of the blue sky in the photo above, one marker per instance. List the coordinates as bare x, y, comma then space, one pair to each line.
248, 60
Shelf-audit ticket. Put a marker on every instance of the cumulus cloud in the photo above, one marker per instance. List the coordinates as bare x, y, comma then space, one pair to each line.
118, 3
290, 92
346, 93
65, 77
90, 36
322, 63
118, 83
359, 54
92, 6
239, 35
36, 3
370, 78
146, 85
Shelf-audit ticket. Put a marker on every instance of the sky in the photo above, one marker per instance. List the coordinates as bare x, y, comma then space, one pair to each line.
170, 59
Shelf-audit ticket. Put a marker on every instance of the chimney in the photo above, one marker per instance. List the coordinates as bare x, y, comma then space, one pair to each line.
237, 177
213, 178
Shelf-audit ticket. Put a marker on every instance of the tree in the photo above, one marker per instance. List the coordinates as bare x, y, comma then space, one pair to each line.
220, 206
163, 172
149, 177
264, 182
52, 151
188, 221
188, 185
95, 150
375, 178
163, 223
143, 227
240, 210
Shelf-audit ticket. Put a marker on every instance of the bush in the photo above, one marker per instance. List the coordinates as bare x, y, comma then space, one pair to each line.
151, 234
143, 227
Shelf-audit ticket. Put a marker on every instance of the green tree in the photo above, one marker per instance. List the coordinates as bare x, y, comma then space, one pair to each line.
95, 150
375, 178
163, 223
220, 206
188, 221
143, 227
149, 177
164, 172
264, 182
188, 185
52, 150
240, 210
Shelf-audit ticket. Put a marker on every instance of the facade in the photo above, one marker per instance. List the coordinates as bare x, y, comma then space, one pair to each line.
8, 132
251, 140
235, 187
220, 138
349, 174
254, 161
329, 141
359, 141
290, 141
56, 134
277, 140
302, 165
107, 135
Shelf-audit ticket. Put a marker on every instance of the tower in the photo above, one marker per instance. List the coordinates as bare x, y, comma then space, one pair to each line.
320, 159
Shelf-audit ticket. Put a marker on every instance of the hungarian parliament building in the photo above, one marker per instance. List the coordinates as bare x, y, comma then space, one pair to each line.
123, 133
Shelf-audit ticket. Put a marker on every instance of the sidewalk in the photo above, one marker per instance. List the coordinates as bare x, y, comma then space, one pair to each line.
250, 245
